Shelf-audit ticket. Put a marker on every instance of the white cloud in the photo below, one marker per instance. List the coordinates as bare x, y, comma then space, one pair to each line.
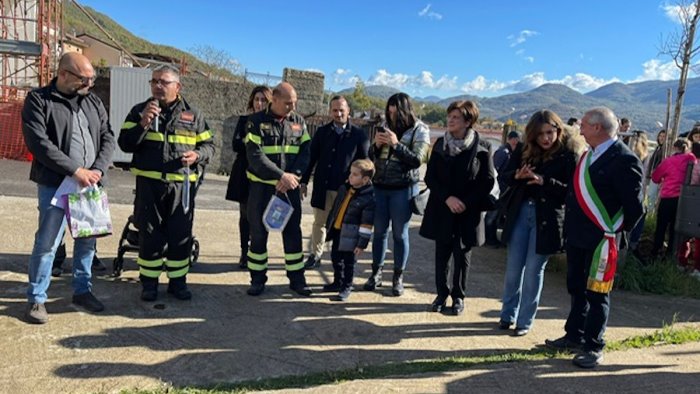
529, 59
579, 81
383, 77
424, 79
344, 77
480, 84
520, 51
655, 70
425, 12
676, 12
527, 82
584, 82
521, 37
314, 70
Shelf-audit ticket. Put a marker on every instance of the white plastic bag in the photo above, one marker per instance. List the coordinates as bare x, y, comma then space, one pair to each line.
87, 213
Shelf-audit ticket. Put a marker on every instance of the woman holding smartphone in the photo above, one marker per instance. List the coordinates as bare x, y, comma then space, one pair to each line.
399, 148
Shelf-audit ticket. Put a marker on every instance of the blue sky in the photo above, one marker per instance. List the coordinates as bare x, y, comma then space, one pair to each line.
437, 47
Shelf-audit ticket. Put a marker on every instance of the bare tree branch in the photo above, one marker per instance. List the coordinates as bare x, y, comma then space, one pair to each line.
681, 46
219, 64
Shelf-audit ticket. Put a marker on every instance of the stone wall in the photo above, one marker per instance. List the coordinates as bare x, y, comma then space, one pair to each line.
309, 87
222, 103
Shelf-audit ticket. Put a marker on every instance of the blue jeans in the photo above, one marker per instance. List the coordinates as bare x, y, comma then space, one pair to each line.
524, 270
52, 224
391, 206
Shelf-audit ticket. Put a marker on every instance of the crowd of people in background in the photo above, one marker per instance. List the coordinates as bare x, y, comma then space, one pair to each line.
577, 187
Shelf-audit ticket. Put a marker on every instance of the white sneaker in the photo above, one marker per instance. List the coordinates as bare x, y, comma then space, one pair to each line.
695, 274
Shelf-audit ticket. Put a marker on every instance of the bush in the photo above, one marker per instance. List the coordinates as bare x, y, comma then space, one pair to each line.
660, 276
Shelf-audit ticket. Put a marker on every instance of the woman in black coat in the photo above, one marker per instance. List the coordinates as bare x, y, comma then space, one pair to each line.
537, 177
460, 176
237, 189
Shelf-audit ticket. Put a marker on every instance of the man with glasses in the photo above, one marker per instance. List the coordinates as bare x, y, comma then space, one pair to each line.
66, 128
171, 143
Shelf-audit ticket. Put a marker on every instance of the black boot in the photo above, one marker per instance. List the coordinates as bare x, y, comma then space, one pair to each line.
300, 288
397, 283
149, 288
178, 288
375, 280
337, 276
332, 287
297, 282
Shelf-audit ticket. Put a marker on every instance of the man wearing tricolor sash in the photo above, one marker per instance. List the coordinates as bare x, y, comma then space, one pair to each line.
605, 199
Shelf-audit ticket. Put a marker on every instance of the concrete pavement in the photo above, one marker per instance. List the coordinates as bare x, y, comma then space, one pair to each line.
223, 335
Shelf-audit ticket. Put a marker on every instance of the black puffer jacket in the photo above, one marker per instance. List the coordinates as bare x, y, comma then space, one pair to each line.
398, 167
356, 229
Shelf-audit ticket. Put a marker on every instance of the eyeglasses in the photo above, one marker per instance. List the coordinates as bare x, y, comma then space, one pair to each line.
161, 82
84, 80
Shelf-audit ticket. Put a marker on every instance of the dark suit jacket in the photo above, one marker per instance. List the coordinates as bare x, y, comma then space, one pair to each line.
331, 156
617, 178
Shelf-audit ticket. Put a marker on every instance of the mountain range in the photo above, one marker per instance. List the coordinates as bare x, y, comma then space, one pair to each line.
642, 102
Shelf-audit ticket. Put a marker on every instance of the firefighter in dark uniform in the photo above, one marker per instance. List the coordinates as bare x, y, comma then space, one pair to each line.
278, 151
171, 143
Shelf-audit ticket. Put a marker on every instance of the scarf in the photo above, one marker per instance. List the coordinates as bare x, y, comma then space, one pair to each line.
455, 146
604, 264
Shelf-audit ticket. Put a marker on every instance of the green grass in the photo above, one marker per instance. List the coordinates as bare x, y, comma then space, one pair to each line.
669, 334
657, 277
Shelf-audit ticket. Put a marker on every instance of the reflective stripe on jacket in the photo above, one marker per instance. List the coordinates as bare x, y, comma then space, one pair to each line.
275, 146
158, 154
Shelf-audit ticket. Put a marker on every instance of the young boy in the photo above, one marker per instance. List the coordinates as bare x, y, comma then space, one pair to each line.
350, 226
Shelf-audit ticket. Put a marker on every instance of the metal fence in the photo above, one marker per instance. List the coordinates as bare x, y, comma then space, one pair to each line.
261, 79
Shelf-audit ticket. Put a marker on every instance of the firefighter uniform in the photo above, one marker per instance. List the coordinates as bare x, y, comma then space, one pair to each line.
165, 229
275, 146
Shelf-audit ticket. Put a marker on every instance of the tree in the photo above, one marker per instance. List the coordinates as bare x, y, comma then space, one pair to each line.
430, 113
682, 48
359, 99
218, 63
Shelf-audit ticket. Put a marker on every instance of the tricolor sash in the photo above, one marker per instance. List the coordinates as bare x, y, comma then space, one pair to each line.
604, 264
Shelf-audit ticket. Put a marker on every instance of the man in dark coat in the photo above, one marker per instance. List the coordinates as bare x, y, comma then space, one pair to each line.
65, 127
605, 200
333, 148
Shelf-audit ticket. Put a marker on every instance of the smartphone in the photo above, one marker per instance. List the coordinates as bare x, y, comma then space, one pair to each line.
379, 129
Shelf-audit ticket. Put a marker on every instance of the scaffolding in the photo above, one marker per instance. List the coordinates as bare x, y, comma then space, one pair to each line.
30, 45
30, 37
